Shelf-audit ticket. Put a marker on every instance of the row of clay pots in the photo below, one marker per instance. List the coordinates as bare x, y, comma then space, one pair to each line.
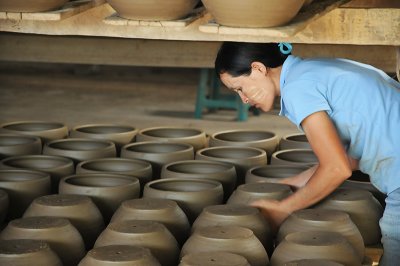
30, 6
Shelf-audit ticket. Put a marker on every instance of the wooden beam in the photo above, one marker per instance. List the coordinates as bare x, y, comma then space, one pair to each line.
162, 53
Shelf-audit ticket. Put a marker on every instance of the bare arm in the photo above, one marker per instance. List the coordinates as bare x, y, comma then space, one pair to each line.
334, 167
300, 179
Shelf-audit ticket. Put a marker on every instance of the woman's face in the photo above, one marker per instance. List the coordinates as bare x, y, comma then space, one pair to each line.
257, 89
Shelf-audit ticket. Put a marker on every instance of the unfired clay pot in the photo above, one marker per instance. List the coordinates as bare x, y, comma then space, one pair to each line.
224, 173
214, 258
22, 252
56, 166
192, 195
323, 220
237, 215
234, 239
312, 262
158, 153
272, 173
253, 13
364, 210
261, 139
160, 210
243, 158
79, 210
294, 141
47, 131
59, 233
153, 9
22, 187
119, 255
108, 191
359, 180
80, 149
247, 193
140, 169
119, 134
4, 203
315, 245
299, 157
149, 234
13, 145
195, 137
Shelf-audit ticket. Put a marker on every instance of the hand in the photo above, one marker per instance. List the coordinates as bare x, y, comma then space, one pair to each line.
272, 211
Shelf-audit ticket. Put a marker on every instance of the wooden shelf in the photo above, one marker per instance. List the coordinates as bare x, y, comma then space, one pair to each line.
341, 25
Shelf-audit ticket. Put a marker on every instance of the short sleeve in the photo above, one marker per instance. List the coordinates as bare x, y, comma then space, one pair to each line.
303, 98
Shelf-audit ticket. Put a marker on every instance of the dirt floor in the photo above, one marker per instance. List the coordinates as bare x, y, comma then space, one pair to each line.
141, 97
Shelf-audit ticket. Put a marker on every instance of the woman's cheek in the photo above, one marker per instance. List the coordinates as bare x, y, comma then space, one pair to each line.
255, 94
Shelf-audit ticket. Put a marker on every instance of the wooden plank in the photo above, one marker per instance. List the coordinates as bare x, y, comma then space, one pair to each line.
116, 20
68, 10
163, 53
309, 14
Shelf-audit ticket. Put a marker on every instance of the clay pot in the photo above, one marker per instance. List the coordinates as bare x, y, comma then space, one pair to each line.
149, 234
22, 252
326, 221
80, 149
164, 211
4, 203
243, 158
13, 145
22, 187
153, 9
364, 210
107, 191
272, 173
119, 255
142, 170
247, 193
63, 238
195, 137
214, 259
201, 169
158, 153
359, 180
299, 157
253, 13
237, 215
119, 134
315, 245
79, 210
234, 239
47, 131
57, 167
192, 195
312, 262
261, 139
294, 141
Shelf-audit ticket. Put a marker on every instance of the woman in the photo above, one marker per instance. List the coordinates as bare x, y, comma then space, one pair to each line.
350, 113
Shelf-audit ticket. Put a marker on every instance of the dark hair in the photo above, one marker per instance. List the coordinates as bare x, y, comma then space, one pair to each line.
235, 58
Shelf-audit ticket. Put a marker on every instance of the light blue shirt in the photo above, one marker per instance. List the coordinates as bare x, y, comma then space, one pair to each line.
363, 103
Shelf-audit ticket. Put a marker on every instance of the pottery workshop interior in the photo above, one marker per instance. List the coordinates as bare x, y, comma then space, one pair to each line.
199, 132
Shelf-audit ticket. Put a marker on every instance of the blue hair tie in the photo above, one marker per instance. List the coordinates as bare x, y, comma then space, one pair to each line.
285, 47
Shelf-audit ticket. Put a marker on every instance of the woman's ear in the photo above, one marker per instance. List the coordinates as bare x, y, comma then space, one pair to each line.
258, 66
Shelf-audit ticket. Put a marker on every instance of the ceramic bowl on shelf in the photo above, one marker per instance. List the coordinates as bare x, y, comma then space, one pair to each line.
14, 145
253, 13
46, 130
272, 173
299, 157
294, 141
216, 258
153, 10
